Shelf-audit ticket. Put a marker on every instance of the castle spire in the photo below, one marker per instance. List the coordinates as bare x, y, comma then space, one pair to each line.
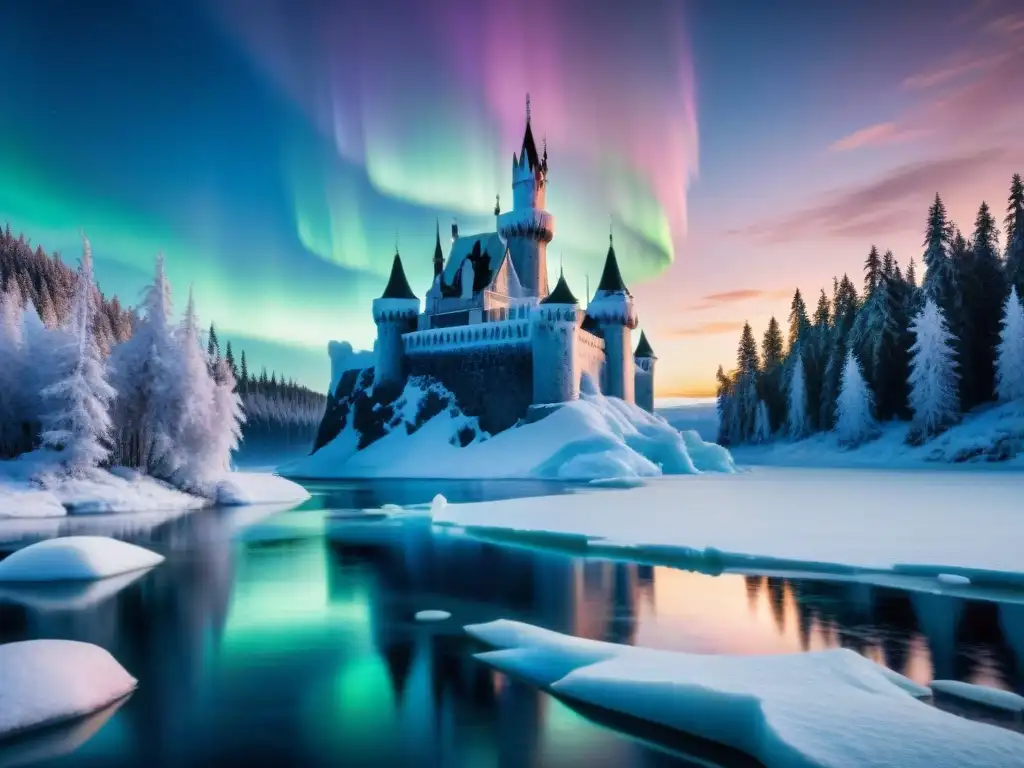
438, 253
529, 150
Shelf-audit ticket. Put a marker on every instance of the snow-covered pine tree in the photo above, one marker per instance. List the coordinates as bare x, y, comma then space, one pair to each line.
797, 421
229, 358
1010, 359
11, 379
146, 370
41, 346
762, 426
855, 421
933, 375
227, 419
212, 345
78, 423
1015, 235
723, 405
193, 434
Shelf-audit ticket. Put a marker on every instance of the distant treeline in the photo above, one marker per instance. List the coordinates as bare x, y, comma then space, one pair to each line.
49, 284
895, 350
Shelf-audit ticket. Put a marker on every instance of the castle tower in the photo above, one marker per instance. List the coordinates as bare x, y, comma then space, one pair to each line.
644, 359
438, 253
612, 309
554, 346
395, 313
528, 228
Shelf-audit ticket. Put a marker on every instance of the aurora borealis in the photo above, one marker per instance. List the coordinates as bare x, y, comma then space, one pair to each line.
275, 150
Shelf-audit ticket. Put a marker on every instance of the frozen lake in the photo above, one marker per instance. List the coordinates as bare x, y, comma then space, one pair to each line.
291, 639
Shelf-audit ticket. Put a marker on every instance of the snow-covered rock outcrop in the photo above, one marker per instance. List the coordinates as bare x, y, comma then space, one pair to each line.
71, 558
45, 682
423, 433
834, 709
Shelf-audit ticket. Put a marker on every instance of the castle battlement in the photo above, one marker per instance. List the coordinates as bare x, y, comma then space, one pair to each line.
491, 331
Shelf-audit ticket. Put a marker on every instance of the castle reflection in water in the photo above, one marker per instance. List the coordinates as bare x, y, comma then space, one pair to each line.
295, 646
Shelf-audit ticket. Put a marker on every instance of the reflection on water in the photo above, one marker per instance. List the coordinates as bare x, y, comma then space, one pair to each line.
288, 646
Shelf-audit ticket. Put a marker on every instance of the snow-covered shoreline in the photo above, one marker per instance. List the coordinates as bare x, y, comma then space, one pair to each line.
846, 522
25, 493
592, 438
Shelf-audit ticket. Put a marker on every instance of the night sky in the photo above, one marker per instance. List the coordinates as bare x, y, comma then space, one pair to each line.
274, 150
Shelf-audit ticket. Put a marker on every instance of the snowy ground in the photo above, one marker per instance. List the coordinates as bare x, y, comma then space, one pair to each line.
591, 438
29, 490
833, 709
988, 434
845, 521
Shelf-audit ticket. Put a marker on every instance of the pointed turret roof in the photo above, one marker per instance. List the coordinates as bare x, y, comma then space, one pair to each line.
643, 348
561, 294
611, 277
529, 145
398, 283
438, 253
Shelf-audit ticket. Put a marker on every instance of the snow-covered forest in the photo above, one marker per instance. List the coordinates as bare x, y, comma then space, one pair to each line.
277, 410
898, 349
31, 279
152, 401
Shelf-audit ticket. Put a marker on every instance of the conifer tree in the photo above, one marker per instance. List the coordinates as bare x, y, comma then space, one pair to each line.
1015, 235
933, 376
983, 305
213, 345
772, 355
745, 390
78, 424
939, 279
799, 323
244, 371
855, 421
762, 426
1010, 360
797, 421
911, 276
872, 271
193, 434
724, 408
229, 358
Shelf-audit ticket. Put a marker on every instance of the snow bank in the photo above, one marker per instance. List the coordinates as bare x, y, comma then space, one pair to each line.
833, 709
241, 488
990, 436
44, 682
595, 437
432, 615
980, 694
28, 502
791, 519
122, 490
76, 557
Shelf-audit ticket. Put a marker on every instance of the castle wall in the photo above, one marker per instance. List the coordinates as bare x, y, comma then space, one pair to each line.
590, 357
555, 378
618, 349
493, 382
643, 379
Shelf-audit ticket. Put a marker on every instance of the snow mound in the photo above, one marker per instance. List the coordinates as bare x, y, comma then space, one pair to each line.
432, 615
980, 694
29, 502
833, 709
44, 682
76, 558
241, 488
954, 579
423, 434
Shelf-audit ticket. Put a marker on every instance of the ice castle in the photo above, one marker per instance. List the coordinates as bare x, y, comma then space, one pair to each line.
495, 335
